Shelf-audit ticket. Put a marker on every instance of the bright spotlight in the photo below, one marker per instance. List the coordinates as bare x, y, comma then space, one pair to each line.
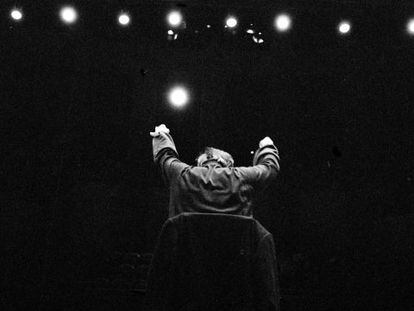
68, 15
16, 14
124, 19
344, 27
175, 18
231, 22
410, 26
178, 96
283, 22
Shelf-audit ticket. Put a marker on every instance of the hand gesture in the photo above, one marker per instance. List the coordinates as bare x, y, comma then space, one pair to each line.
160, 129
265, 142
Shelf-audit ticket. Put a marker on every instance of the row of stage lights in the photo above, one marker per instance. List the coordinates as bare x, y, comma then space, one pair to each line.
282, 22
178, 96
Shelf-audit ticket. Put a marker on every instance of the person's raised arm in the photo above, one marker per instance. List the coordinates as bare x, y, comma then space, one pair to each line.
265, 165
165, 153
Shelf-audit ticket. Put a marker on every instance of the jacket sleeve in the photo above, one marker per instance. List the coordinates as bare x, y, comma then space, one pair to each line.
166, 157
265, 167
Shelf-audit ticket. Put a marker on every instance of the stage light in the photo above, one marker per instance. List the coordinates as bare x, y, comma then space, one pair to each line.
344, 27
231, 22
175, 18
283, 22
124, 19
16, 14
410, 26
68, 15
178, 96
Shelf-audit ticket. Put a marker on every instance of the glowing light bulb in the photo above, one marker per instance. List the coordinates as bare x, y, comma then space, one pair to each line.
175, 18
124, 19
68, 15
231, 22
178, 96
410, 26
344, 27
283, 22
16, 14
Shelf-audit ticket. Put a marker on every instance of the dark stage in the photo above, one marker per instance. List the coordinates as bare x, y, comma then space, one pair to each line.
82, 202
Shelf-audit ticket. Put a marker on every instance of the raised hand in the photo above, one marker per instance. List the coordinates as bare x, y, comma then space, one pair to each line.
160, 129
265, 142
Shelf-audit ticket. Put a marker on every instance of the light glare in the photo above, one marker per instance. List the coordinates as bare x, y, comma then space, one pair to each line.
410, 26
178, 96
344, 27
231, 22
175, 18
16, 14
124, 19
68, 15
283, 22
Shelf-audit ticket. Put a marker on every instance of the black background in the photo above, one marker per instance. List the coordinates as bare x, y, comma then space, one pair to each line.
78, 102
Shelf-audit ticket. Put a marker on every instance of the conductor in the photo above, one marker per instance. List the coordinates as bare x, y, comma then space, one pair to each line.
214, 184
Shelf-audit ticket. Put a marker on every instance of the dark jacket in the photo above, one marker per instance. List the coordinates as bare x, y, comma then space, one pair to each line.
212, 188
210, 262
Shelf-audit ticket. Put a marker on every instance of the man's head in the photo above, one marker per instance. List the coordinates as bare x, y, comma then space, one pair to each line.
211, 154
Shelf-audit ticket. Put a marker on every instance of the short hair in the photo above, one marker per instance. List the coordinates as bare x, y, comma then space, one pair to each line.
213, 154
